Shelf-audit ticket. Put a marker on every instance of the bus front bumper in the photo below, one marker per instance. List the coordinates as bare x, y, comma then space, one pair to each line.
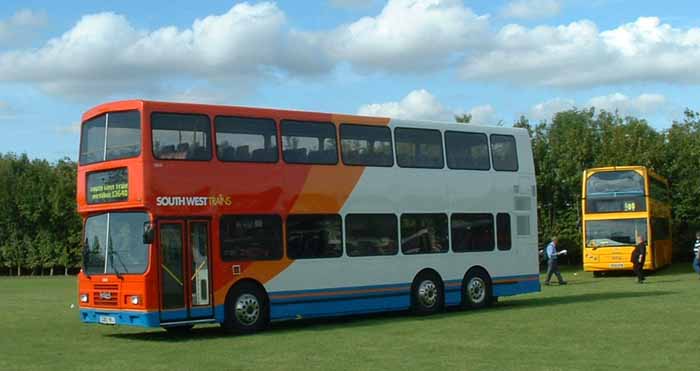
120, 317
606, 267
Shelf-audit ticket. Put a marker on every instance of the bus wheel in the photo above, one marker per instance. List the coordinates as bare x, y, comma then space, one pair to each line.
476, 289
427, 294
246, 309
597, 274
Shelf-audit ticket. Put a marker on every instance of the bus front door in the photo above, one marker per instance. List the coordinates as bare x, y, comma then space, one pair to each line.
184, 270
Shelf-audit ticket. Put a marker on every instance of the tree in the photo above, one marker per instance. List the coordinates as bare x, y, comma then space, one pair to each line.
681, 167
464, 118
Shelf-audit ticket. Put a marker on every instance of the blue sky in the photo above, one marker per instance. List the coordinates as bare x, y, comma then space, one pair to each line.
423, 59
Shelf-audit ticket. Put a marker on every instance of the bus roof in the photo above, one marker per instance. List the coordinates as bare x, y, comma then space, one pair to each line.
614, 168
649, 171
140, 104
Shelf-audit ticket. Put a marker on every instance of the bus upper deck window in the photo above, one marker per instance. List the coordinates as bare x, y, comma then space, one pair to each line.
122, 139
181, 137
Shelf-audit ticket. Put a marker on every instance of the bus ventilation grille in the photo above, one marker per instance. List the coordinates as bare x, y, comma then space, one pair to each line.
106, 295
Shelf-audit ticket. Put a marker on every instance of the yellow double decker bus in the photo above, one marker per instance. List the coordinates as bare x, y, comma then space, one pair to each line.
619, 203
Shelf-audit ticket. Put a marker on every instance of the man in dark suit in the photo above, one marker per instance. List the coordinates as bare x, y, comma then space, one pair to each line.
639, 255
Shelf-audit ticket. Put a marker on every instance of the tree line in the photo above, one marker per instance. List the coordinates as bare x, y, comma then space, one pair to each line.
41, 232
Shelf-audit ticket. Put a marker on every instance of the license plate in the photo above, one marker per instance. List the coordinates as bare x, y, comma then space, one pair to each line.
108, 320
617, 265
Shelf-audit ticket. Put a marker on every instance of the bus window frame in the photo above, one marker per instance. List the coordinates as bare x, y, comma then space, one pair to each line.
211, 144
391, 141
282, 241
286, 236
488, 150
493, 158
278, 137
442, 148
303, 121
141, 137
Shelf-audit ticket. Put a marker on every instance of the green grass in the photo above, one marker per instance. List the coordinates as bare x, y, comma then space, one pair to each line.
591, 324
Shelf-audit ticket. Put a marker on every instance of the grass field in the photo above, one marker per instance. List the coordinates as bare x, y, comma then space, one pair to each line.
591, 324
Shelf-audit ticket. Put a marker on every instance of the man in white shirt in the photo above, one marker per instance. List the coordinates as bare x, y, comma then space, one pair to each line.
552, 264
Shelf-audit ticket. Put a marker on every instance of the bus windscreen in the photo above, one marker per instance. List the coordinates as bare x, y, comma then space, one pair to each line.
113, 244
619, 232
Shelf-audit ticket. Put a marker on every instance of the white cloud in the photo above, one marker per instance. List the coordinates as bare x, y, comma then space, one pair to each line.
546, 110
417, 105
484, 115
20, 26
103, 53
531, 9
409, 35
645, 104
422, 105
578, 54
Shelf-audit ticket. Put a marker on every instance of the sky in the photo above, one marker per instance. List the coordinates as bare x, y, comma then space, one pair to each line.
414, 59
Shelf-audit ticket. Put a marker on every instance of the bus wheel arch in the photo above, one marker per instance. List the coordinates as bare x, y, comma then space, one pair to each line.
247, 307
427, 292
477, 288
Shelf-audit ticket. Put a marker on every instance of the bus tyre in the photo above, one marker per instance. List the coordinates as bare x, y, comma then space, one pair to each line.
597, 274
246, 309
427, 294
476, 291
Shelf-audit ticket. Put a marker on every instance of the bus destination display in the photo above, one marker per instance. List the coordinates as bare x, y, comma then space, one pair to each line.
108, 186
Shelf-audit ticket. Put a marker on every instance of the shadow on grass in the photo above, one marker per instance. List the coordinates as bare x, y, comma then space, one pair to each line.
370, 320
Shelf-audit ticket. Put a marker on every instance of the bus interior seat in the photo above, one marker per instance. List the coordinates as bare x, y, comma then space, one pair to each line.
262, 154
166, 151
229, 154
323, 156
199, 153
243, 153
295, 155
183, 147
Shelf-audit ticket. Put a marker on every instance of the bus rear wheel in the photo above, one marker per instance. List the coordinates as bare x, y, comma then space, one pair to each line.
427, 294
476, 289
246, 309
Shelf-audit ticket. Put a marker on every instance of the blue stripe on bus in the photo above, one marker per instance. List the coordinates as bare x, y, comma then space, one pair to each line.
347, 300
339, 307
364, 292
515, 288
182, 315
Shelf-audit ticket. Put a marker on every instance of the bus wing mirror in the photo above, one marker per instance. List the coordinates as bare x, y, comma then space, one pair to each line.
148, 233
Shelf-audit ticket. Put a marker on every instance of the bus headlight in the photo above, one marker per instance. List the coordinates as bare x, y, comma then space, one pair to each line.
135, 300
84, 298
